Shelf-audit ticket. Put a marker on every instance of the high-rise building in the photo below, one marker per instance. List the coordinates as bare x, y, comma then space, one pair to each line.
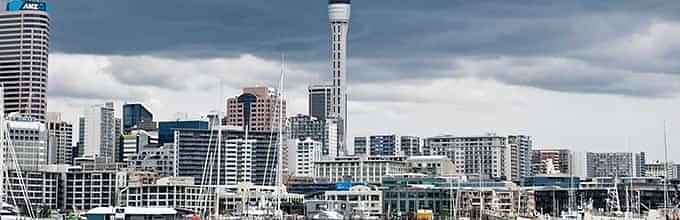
611, 164
303, 156
24, 37
319, 101
28, 137
166, 129
137, 116
338, 20
491, 155
302, 127
257, 108
98, 131
551, 161
253, 160
519, 155
60, 140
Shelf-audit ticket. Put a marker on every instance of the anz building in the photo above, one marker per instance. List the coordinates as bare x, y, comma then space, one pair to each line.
24, 34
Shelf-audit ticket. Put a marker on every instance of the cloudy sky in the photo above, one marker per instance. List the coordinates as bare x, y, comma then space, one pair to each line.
584, 75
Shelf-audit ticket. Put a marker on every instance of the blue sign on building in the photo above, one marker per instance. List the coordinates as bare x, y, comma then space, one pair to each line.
21, 5
343, 186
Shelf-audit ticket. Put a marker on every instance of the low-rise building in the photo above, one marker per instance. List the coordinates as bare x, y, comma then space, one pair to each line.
367, 169
366, 202
432, 165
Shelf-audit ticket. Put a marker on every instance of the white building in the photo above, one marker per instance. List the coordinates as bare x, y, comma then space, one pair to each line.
367, 203
170, 192
495, 156
135, 141
28, 137
303, 155
98, 131
60, 140
24, 43
368, 169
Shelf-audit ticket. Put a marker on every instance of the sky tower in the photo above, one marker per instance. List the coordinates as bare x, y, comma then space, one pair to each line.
338, 20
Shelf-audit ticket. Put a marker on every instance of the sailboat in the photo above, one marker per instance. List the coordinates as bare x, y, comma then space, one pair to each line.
7, 210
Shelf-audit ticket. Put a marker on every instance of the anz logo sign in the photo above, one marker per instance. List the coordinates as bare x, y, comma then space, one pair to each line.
37, 6
19, 5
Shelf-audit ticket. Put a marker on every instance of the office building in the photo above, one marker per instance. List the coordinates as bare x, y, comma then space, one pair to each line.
551, 161
367, 169
42, 184
387, 145
28, 139
319, 101
24, 43
325, 131
166, 129
134, 141
338, 21
491, 155
360, 146
136, 116
170, 192
98, 134
252, 160
303, 156
160, 160
86, 189
60, 139
610, 164
257, 108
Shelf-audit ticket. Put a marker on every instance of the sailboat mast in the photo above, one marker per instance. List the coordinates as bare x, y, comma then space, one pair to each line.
279, 152
665, 166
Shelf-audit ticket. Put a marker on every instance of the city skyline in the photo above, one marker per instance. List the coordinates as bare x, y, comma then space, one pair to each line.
467, 72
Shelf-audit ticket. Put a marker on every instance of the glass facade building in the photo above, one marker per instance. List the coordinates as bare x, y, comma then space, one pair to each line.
135, 115
166, 129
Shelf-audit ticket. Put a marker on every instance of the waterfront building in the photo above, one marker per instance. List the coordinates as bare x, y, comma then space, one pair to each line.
501, 157
366, 202
360, 146
366, 169
158, 159
387, 145
614, 164
432, 165
134, 141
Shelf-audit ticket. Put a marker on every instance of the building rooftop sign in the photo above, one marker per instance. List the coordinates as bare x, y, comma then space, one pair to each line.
21, 5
